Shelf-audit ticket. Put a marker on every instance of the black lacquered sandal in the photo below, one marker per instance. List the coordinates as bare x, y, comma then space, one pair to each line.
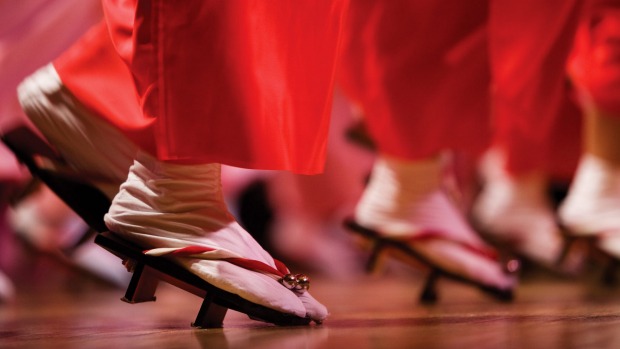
91, 205
509, 251
87, 201
429, 292
149, 270
590, 244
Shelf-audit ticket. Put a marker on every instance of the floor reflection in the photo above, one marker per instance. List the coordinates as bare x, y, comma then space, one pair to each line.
375, 313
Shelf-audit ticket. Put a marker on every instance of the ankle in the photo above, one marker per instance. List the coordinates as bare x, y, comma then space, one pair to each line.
164, 197
595, 179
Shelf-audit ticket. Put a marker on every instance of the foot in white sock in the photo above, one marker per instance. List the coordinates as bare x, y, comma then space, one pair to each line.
404, 202
100, 153
592, 207
516, 213
164, 205
102, 156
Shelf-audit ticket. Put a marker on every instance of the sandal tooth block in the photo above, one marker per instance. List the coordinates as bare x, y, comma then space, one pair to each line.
373, 259
215, 301
377, 244
609, 277
210, 315
429, 291
87, 201
142, 286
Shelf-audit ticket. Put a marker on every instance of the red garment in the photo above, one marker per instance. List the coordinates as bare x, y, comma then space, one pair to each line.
563, 144
93, 72
419, 71
241, 82
529, 43
595, 61
247, 84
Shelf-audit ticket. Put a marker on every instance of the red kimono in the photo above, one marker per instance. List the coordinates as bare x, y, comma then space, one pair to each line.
595, 62
529, 44
419, 70
241, 82
434, 75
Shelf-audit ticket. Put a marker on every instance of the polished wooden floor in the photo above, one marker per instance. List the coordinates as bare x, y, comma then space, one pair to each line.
377, 311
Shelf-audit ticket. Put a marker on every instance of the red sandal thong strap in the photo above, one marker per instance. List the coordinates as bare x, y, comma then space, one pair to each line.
299, 283
437, 234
